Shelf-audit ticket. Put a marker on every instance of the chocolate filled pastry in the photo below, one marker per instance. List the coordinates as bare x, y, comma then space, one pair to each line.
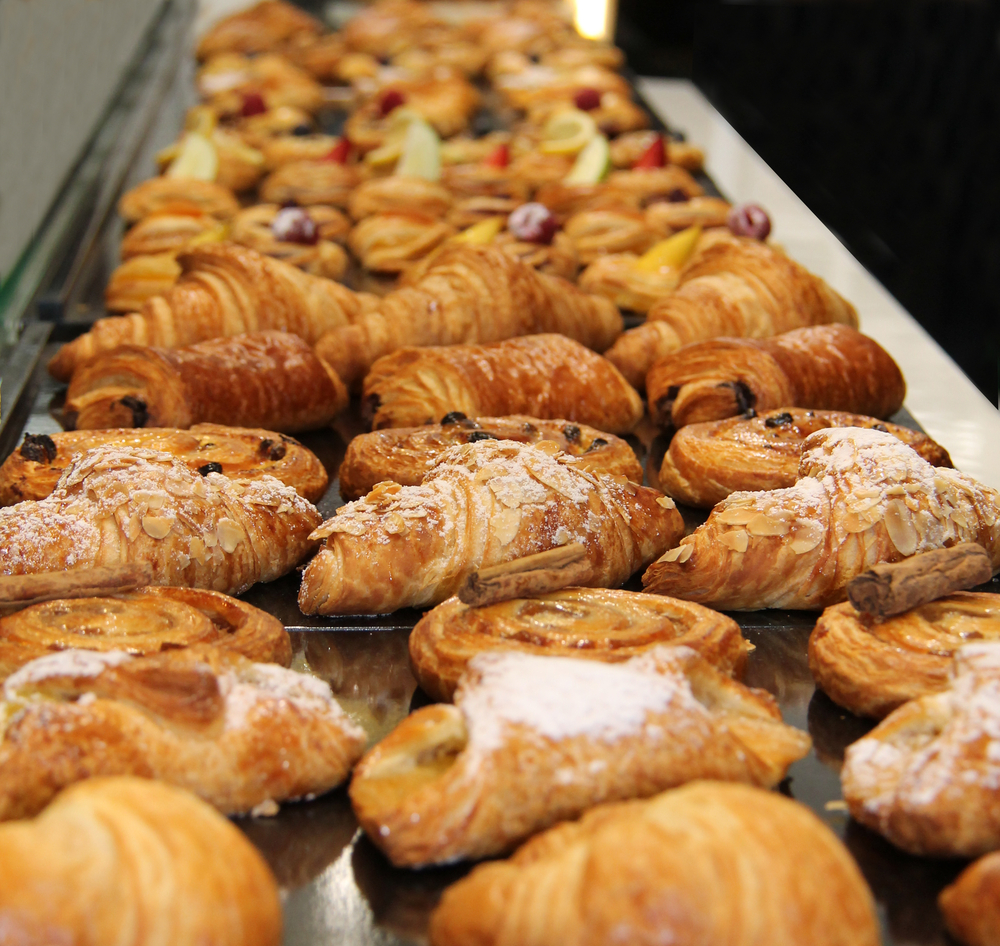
307, 239
706, 462
871, 666
267, 379
115, 506
224, 290
165, 233
391, 242
471, 294
405, 454
601, 232
32, 471
133, 283
706, 863
545, 376
148, 621
400, 194
862, 498
236, 733
826, 367
584, 623
258, 29
970, 904
732, 287
926, 776
177, 195
81, 871
307, 183
526, 746
485, 503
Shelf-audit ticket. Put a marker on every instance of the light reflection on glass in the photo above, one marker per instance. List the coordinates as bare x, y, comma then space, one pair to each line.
595, 19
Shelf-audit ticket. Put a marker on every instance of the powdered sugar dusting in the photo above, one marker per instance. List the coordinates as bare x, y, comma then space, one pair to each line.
65, 663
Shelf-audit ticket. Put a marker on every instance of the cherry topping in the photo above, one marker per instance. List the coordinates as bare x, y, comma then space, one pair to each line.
655, 156
294, 225
532, 223
587, 99
339, 152
749, 220
498, 158
391, 98
253, 104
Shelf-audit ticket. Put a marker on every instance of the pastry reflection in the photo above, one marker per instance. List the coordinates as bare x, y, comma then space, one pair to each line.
833, 729
780, 665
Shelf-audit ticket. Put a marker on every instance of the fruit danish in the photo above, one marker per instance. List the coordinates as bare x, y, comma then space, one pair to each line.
177, 195
308, 183
399, 194
133, 283
391, 242
257, 29
165, 233
307, 239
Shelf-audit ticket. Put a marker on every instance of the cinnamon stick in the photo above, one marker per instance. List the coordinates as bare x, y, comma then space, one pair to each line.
21, 591
523, 577
891, 589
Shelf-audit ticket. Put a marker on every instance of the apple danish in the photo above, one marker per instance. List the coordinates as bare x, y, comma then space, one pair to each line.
308, 183
177, 195
706, 462
31, 472
307, 239
266, 379
862, 498
706, 863
585, 623
535, 740
258, 29
470, 294
545, 376
827, 367
115, 506
969, 904
391, 242
926, 776
81, 872
235, 733
406, 454
144, 622
873, 666
400, 194
483, 504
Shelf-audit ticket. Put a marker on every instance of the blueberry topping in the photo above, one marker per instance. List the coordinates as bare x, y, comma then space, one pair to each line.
39, 448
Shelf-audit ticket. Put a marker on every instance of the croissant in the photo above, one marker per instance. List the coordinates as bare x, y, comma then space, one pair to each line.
323, 257
117, 506
470, 294
307, 183
970, 903
257, 29
177, 195
266, 379
706, 462
546, 376
524, 747
707, 863
138, 279
871, 667
141, 623
31, 472
483, 504
405, 454
828, 367
926, 776
399, 194
735, 287
224, 290
236, 733
600, 232
589, 623
862, 498
164, 233
390, 242
134, 862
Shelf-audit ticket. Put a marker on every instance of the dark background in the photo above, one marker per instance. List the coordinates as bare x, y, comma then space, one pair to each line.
883, 116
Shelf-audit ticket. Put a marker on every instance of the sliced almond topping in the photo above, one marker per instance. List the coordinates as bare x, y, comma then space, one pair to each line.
132, 527
230, 534
852, 522
679, 554
803, 545
899, 525
666, 502
736, 515
737, 540
394, 523
156, 527
197, 550
505, 525
762, 524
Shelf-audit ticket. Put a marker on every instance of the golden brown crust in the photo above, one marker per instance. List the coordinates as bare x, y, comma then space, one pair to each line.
829, 367
872, 666
173, 195
252, 228
284, 149
258, 29
706, 462
599, 233
133, 283
32, 471
392, 242
405, 454
267, 379
164, 233
233, 732
227, 77
666, 217
686, 864
546, 376
485, 503
446, 103
589, 623
310, 182
650, 184
140, 623
396, 194
484, 180
616, 277
557, 258
79, 873
564, 200
519, 752
970, 903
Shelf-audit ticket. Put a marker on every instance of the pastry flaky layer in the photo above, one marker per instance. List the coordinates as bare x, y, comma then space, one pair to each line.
829, 367
534, 740
224, 290
926, 777
710, 862
236, 733
142, 622
971, 905
862, 498
587, 623
871, 666
32, 471
706, 462
83, 872
406, 454
546, 376
470, 294
483, 504
263, 379
115, 505
176, 195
